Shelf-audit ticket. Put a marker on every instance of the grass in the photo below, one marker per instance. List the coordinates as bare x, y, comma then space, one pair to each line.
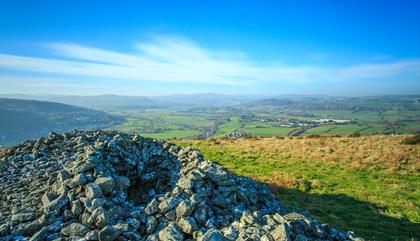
368, 184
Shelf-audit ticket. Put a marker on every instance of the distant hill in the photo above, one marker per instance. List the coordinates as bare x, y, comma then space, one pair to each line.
98, 102
119, 102
377, 103
28, 119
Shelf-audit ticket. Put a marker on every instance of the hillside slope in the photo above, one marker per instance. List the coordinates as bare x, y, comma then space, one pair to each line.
367, 184
28, 119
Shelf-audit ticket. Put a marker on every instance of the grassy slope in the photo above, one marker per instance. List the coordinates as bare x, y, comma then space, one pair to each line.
367, 184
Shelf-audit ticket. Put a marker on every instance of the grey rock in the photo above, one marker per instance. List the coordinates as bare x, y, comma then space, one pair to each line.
168, 204
92, 235
108, 233
185, 208
57, 203
106, 184
171, 233
187, 225
99, 217
230, 233
76, 208
281, 232
23, 217
152, 207
213, 235
75, 229
79, 180
92, 190
151, 224
40, 235
85, 167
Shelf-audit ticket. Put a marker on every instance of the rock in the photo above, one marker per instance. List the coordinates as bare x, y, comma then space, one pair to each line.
76, 208
47, 198
108, 233
187, 225
40, 235
281, 233
122, 182
85, 167
171, 233
78, 180
106, 184
152, 207
4, 228
57, 203
63, 175
133, 223
151, 224
92, 190
185, 208
100, 218
213, 235
92, 235
230, 233
301, 237
92, 204
23, 217
75, 229
168, 204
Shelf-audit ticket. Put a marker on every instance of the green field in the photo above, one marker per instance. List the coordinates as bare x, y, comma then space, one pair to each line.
163, 123
268, 131
376, 129
337, 130
228, 127
173, 134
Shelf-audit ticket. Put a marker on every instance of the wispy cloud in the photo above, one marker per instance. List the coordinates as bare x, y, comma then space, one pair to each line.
180, 60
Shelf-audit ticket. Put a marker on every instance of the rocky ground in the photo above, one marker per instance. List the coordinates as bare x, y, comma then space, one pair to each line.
105, 185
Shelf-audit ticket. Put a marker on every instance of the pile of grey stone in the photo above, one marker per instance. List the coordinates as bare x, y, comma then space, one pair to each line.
105, 185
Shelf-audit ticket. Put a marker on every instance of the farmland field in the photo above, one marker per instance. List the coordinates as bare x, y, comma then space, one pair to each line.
278, 117
268, 131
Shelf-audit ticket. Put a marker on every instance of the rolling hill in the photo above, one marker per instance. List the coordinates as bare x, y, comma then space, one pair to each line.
28, 119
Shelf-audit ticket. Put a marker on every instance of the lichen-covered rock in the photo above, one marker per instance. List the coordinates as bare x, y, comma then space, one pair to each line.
105, 185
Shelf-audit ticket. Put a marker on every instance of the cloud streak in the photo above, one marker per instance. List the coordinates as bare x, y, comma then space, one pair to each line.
179, 60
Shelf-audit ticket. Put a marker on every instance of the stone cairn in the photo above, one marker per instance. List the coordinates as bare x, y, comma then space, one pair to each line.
105, 185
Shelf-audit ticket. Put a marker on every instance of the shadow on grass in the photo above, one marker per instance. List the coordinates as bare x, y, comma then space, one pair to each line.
346, 213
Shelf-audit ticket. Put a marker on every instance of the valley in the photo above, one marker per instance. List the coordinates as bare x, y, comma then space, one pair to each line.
294, 116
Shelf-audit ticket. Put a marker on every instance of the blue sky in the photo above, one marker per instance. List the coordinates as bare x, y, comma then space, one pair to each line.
233, 47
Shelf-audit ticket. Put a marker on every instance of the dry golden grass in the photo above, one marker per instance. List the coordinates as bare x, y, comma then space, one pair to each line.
378, 152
